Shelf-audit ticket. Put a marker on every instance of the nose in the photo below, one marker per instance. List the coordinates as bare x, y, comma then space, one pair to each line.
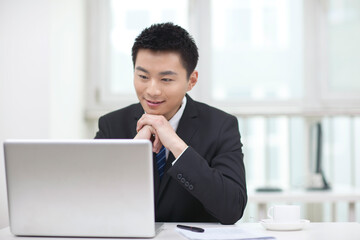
154, 88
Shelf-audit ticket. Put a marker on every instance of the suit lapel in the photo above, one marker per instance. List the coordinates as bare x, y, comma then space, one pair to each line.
187, 127
189, 122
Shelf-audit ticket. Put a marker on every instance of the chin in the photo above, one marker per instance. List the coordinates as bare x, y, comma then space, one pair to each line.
151, 111
155, 113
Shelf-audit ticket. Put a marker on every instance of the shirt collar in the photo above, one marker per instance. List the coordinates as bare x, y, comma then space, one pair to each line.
174, 121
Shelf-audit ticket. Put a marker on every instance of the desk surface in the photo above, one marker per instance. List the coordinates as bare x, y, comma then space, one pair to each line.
319, 231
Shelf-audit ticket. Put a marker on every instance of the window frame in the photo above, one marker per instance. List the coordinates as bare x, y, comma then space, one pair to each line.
317, 100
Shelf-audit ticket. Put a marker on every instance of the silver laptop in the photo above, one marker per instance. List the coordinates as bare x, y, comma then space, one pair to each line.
84, 188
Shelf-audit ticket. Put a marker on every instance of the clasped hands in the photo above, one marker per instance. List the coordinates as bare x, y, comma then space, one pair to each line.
159, 130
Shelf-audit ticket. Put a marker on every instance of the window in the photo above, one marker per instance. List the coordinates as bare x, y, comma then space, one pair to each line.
253, 53
343, 54
256, 50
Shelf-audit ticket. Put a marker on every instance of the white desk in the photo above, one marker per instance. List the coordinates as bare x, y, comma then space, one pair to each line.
318, 231
349, 195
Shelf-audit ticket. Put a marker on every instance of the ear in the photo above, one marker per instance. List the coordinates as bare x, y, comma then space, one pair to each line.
192, 80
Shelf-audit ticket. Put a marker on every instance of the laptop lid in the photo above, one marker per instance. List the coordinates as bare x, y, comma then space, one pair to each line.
95, 188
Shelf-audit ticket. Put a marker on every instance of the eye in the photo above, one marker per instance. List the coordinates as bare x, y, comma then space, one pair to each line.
142, 76
166, 80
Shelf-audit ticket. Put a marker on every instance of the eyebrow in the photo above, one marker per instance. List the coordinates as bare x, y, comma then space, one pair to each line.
169, 72
142, 69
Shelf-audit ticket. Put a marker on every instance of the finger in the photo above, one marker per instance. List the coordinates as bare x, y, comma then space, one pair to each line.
139, 125
142, 122
143, 133
157, 144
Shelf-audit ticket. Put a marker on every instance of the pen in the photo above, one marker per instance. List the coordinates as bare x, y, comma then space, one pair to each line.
190, 228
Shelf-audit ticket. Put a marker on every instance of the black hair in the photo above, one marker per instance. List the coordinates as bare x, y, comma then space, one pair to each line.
168, 37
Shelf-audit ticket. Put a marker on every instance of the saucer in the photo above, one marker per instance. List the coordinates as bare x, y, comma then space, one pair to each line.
270, 225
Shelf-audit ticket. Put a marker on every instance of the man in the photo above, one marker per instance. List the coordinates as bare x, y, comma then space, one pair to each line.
203, 179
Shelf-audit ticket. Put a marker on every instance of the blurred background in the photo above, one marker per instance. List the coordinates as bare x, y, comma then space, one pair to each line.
281, 66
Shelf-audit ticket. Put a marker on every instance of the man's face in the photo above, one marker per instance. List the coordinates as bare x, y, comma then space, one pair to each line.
161, 82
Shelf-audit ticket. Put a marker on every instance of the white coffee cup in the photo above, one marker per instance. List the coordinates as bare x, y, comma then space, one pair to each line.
284, 213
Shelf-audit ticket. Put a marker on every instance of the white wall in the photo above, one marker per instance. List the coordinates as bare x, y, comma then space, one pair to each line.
41, 73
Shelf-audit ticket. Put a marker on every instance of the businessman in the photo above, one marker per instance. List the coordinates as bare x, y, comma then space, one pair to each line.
202, 178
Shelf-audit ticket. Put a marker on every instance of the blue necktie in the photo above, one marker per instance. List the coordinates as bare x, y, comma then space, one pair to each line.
161, 161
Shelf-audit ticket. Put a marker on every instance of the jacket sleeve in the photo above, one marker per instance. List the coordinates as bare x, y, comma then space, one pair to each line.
102, 133
219, 182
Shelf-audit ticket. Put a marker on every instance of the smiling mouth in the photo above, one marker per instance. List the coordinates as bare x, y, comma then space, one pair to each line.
154, 103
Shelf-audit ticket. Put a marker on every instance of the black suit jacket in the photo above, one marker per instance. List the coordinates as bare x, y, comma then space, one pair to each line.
207, 183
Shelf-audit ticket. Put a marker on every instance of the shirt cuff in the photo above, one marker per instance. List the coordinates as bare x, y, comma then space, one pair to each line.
179, 156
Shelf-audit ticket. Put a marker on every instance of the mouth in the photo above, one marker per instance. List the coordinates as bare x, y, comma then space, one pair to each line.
152, 103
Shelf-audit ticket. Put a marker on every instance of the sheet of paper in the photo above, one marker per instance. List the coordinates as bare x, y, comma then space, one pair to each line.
223, 233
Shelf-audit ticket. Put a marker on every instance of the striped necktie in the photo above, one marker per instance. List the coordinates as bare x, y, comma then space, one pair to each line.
161, 161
